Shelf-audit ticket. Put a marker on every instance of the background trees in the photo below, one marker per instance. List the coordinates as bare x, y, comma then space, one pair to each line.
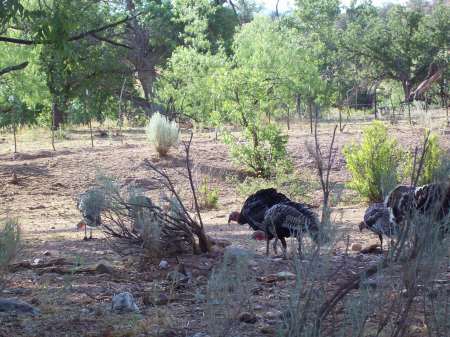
218, 62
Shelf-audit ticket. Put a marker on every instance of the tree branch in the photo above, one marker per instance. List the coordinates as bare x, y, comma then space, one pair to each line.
114, 43
70, 39
13, 68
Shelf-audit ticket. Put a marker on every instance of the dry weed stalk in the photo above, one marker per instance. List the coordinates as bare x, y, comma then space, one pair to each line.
323, 166
194, 225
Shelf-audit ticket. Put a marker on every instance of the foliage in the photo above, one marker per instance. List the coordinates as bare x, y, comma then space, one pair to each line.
263, 150
433, 161
295, 186
9, 243
209, 196
162, 133
375, 37
377, 164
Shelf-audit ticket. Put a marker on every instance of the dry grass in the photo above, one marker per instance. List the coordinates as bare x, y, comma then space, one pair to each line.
44, 201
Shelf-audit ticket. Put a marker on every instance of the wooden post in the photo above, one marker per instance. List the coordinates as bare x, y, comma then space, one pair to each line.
15, 138
288, 119
92, 136
298, 107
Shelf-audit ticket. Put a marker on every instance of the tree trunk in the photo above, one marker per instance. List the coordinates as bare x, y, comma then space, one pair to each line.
409, 112
288, 119
57, 116
310, 105
340, 119
375, 104
15, 137
92, 135
141, 56
298, 107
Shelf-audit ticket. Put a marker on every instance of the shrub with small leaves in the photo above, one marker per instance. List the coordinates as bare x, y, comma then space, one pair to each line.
9, 242
377, 164
432, 163
162, 133
209, 196
263, 149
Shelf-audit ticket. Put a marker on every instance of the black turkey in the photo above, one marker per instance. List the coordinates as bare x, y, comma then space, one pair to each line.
285, 219
377, 218
255, 207
90, 205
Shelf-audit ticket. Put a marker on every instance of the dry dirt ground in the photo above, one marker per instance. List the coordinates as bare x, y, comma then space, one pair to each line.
75, 299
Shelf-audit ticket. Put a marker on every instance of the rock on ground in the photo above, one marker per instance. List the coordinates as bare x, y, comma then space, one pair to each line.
17, 306
124, 302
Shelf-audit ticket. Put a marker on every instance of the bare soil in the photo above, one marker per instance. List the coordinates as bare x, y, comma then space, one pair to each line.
78, 303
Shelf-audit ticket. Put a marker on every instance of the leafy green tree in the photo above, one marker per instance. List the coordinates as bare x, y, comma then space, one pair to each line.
400, 43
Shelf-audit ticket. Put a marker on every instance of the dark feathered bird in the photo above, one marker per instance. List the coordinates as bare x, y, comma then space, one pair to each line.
432, 199
255, 207
398, 201
290, 218
377, 218
90, 205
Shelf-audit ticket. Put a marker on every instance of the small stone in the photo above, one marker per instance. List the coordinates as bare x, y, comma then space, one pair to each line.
124, 302
257, 307
36, 262
267, 330
273, 314
177, 277
104, 268
356, 247
163, 264
17, 306
247, 317
285, 275
162, 299
84, 311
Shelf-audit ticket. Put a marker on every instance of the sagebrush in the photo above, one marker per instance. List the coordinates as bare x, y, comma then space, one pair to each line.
162, 133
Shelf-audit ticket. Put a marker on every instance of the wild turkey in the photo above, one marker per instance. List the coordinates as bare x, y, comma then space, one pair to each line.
388, 218
377, 218
255, 207
90, 204
285, 219
398, 201
431, 199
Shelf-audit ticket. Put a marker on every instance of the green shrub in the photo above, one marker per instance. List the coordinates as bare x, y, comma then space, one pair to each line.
263, 150
432, 161
377, 164
162, 133
295, 186
209, 196
9, 242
